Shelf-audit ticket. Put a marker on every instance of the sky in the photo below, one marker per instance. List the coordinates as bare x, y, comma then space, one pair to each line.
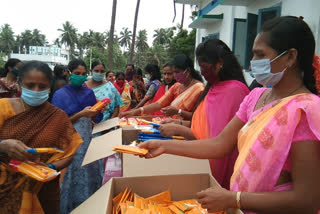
48, 16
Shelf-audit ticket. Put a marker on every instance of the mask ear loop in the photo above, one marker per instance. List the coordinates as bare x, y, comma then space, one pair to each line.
283, 53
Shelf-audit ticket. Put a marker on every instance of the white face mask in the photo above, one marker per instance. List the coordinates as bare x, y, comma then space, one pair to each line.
148, 76
261, 70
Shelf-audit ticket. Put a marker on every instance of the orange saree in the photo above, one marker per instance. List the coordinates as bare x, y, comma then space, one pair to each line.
43, 126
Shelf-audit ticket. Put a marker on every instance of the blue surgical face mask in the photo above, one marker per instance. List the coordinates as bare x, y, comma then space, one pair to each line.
34, 98
98, 77
261, 70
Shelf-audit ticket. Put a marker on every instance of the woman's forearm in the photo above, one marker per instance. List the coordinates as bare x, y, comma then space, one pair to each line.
186, 115
153, 107
115, 112
142, 102
185, 132
200, 149
276, 202
61, 164
76, 117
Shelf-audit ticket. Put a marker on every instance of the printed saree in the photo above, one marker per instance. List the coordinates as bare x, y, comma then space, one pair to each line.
125, 95
264, 142
212, 115
43, 126
184, 100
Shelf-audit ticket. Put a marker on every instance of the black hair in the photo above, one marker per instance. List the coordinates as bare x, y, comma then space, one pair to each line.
11, 63
108, 72
289, 32
95, 63
168, 64
58, 70
35, 65
137, 71
183, 62
73, 64
213, 50
132, 65
154, 70
119, 73
54, 86
3, 72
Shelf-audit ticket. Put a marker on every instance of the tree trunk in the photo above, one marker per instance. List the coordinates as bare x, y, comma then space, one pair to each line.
134, 32
110, 45
182, 19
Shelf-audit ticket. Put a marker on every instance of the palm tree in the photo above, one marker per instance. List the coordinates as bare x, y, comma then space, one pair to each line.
6, 39
134, 31
57, 42
110, 45
98, 40
163, 36
125, 38
37, 38
182, 19
26, 40
142, 38
69, 37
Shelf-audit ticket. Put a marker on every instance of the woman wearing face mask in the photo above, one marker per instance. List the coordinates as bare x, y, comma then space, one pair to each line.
224, 92
103, 89
32, 122
124, 89
153, 75
277, 130
78, 183
179, 101
168, 81
9, 84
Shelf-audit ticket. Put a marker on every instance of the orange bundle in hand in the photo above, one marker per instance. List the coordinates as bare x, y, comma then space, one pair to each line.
33, 170
101, 104
130, 150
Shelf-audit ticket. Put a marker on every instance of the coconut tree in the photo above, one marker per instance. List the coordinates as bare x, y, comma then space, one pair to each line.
125, 38
111, 32
163, 36
142, 38
6, 39
26, 40
134, 31
37, 39
68, 37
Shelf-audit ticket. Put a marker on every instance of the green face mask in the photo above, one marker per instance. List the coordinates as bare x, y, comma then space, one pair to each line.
77, 80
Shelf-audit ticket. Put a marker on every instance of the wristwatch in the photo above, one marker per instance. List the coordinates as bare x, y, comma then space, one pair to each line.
179, 112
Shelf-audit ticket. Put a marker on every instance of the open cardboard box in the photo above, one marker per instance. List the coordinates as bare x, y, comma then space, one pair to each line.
101, 147
181, 187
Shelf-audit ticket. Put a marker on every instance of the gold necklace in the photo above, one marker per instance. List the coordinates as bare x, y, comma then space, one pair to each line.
269, 94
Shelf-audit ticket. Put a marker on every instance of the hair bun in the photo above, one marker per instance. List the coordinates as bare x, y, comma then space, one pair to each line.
301, 17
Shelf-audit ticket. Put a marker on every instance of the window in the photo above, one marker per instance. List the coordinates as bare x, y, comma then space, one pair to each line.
239, 35
210, 36
253, 25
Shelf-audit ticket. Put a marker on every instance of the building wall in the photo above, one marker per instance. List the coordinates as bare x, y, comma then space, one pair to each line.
309, 9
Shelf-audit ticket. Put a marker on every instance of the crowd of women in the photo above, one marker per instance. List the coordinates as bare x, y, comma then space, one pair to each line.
263, 146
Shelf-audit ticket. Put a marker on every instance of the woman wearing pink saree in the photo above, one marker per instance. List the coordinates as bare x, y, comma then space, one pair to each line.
277, 130
217, 105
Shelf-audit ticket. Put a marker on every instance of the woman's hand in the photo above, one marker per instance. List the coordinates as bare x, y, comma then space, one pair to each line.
130, 113
168, 130
86, 112
15, 149
169, 111
170, 120
155, 148
217, 199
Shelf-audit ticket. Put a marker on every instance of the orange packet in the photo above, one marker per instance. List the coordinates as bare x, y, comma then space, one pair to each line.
125, 148
161, 197
175, 209
117, 198
181, 206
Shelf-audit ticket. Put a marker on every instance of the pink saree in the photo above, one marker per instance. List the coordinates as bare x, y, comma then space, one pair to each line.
264, 142
210, 118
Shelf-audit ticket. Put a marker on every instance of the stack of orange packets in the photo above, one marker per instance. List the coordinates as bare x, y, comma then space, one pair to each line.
130, 203
129, 150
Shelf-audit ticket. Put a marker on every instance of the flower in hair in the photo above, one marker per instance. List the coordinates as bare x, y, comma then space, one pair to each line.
316, 74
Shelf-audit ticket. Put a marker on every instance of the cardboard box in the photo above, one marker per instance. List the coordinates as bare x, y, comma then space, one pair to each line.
181, 187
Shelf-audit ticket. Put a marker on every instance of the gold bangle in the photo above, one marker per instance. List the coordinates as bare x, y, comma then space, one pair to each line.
238, 200
141, 110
